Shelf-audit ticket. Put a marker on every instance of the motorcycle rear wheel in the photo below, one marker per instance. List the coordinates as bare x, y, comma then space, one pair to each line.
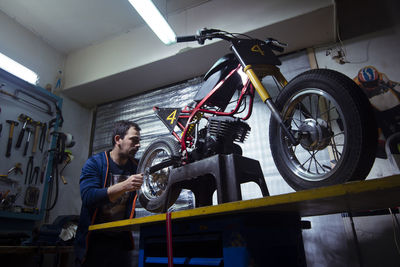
153, 195
337, 128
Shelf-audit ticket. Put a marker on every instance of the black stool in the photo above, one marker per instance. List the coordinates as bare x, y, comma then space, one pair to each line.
223, 173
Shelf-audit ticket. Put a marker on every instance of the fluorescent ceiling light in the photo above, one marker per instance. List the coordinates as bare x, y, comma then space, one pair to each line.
148, 11
18, 70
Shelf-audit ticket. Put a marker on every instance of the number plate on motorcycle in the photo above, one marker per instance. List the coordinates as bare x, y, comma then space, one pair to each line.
253, 52
169, 116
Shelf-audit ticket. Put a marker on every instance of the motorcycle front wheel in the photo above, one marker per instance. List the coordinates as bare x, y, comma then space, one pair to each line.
153, 195
335, 124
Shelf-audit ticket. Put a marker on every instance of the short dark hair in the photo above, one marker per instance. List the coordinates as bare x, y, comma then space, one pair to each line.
121, 128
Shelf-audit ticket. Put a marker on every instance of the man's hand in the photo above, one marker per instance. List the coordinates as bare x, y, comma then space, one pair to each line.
134, 182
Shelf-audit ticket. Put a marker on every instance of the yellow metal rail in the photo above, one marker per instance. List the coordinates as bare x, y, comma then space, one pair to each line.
353, 196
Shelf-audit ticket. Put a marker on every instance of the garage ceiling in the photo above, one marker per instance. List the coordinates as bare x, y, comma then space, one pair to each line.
180, 67
68, 25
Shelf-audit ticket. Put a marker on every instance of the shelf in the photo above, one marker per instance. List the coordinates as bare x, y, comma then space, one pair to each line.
349, 197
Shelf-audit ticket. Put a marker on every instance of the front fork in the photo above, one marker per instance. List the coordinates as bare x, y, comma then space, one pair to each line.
266, 98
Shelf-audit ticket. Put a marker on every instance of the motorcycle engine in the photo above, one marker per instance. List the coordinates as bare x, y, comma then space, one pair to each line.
219, 135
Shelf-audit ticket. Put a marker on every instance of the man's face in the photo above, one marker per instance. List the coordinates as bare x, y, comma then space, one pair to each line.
130, 144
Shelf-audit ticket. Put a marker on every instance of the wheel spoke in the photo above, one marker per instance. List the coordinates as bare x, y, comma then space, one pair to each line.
310, 103
314, 152
317, 107
327, 111
315, 112
337, 154
311, 164
156, 183
337, 134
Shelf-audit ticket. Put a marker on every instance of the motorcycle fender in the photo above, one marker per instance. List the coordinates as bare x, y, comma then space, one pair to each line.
169, 116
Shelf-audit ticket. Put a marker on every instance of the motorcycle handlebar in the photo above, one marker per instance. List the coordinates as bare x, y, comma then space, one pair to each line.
188, 38
276, 48
201, 36
209, 34
275, 45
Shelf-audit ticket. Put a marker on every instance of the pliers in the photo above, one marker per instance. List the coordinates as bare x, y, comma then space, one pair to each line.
28, 172
35, 174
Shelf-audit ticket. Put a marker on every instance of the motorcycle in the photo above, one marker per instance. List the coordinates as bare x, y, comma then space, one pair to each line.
321, 131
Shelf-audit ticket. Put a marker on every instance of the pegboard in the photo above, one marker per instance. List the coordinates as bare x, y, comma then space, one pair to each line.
24, 191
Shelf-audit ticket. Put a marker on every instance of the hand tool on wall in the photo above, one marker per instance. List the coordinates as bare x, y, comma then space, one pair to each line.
27, 102
28, 171
10, 136
31, 196
1, 125
4, 196
4, 179
32, 193
37, 124
42, 136
44, 164
68, 157
25, 119
35, 174
52, 123
26, 97
17, 168
29, 130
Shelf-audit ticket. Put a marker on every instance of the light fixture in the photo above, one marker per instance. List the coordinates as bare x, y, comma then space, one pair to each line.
152, 16
18, 70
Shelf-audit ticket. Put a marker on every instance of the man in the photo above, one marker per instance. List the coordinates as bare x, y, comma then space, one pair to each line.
108, 183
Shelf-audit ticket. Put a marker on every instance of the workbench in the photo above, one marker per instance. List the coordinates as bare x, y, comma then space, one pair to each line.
355, 196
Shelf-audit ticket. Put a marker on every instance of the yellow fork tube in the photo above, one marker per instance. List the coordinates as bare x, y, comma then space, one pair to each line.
257, 83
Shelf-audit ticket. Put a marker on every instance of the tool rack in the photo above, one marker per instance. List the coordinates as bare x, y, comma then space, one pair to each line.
28, 188
227, 217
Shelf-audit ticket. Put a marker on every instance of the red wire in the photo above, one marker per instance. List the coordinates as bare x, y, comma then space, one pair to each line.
169, 239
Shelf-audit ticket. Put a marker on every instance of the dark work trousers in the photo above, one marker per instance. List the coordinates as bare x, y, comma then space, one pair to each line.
108, 257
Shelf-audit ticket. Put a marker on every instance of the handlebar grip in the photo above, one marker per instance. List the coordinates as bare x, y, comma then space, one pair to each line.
276, 48
188, 38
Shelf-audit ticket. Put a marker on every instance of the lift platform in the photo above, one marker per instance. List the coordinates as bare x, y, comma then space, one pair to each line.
355, 196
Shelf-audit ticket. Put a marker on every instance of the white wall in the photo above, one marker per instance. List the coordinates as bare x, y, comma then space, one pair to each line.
380, 49
78, 122
26, 48
376, 242
140, 46
29, 50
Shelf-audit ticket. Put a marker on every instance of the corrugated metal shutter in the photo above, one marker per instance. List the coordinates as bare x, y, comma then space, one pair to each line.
139, 109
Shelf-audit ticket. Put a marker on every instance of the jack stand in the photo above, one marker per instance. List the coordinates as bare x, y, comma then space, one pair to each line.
224, 173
